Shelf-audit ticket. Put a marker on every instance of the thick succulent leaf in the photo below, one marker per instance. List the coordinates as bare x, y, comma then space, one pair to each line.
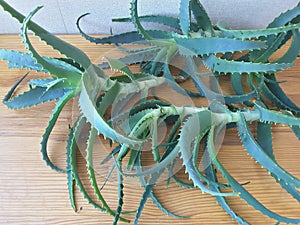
89, 109
132, 37
172, 83
32, 97
291, 15
244, 194
53, 118
169, 21
276, 92
136, 21
204, 161
263, 55
59, 72
293, 51
260, 156
58, 44
73, 165
255, 33
162, 208
119, 66
228, 99
197, 125
264, 139
272, 116
21, 60
237, 84
201, 16
226, 66
70, 177
211, 174
275, 42
280, 99
285, 17
214, 45
136, 57
149, 189
120, 198
185, 16
91, 172
146, 194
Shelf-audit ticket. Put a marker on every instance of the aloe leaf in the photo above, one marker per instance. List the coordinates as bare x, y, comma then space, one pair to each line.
211, 174
91, 172
279, 95
264, 139
43, 82
135, 20
70, 177
293, 50
90, 111
118, 65
120, 198
263, 55
290, 16
132, 37
255, 33
185, 16
201, 16
204, 46
260, 156
72, 77
272, 116
229, 99
32, 97
53, 118
175, 86
146, 194
243, 193
279, 100
136, 57
162, 208
20, 60
196, 126
73, 161
169, 21
58, 44
285, 17
237, 84
226, 66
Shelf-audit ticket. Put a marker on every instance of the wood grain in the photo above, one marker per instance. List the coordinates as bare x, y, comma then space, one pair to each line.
30, 193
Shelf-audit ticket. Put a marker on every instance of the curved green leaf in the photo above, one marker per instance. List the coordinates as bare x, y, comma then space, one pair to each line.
226, 66
214, 45
59, 72
240, 189
53, 118
260, 156
58, 44
255, 33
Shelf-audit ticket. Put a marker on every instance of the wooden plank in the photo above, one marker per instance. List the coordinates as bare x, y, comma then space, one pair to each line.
30, 193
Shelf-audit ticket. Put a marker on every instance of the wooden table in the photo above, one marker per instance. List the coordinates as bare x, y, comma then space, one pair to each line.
31, 193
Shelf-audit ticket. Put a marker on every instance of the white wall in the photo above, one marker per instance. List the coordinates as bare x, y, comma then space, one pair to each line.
59, 16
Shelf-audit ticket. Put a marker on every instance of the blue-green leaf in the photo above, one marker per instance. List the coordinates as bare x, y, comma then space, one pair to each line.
214, 45
58, 44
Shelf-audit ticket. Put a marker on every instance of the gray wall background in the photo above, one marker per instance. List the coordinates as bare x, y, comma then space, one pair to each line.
59, 16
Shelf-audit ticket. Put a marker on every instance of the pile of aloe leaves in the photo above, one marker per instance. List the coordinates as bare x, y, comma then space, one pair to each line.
192, 131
